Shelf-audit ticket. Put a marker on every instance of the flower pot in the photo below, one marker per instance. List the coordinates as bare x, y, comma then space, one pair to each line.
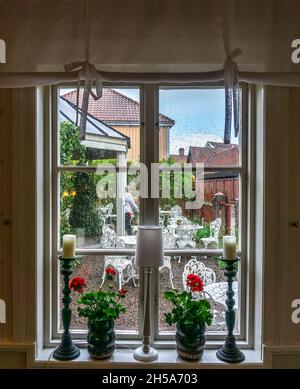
190, 341
101, 339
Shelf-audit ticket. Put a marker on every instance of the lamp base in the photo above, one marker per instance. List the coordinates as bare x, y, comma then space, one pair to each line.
141, 355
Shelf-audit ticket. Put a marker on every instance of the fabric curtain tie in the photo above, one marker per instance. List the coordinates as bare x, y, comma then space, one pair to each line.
232, 95
92, 79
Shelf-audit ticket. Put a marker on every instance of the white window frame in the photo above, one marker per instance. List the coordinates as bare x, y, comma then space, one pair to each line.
149, 103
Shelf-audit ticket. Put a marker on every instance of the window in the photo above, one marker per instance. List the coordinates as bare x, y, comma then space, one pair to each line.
128, 130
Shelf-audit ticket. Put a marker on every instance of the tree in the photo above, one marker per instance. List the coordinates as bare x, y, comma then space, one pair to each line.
84, 213
78, 190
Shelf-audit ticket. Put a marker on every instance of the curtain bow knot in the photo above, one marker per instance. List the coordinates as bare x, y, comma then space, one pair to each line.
92, 79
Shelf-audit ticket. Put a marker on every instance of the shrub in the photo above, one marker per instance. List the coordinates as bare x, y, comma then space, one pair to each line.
78, 190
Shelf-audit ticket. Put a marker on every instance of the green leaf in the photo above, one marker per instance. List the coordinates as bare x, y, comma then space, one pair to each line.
186, 309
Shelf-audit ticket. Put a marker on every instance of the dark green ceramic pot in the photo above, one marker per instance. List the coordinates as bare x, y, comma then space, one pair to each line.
190, 341
101, 339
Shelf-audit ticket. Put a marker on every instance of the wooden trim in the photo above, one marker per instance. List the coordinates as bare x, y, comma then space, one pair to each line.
17, 355
281, 357
276, 213
6, 209
24, 223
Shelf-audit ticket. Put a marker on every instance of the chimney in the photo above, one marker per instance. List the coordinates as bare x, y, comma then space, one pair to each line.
181, 152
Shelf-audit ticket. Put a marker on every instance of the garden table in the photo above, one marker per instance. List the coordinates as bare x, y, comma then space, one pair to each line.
129, 240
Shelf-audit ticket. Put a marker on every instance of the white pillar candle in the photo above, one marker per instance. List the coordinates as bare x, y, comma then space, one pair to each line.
69, 245
229, 247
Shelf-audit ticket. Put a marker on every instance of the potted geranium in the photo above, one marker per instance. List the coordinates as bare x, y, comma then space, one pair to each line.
191, 313
101, 308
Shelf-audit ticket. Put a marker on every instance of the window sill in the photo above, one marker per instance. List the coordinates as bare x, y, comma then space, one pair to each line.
166, 359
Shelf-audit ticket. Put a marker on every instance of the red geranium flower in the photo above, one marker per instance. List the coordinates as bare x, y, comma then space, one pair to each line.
111, 271
122, 292
78, 284
195, 283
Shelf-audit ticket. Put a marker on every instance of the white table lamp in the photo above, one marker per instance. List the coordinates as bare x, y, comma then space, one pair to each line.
149, 254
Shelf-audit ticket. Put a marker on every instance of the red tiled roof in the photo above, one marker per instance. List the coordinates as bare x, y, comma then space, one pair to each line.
114, 107
200, 154
227, 157
218, 145
214, 157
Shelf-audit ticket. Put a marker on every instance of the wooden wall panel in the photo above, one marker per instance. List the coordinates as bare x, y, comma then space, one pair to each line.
292, 259
133, 132
6, 210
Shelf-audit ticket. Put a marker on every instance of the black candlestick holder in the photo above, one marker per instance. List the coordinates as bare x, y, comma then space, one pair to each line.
230, 352
67, 350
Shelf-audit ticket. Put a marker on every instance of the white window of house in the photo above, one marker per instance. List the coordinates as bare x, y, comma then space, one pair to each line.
148, 124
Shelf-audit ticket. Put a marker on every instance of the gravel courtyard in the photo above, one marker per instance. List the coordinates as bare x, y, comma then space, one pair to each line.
91, 268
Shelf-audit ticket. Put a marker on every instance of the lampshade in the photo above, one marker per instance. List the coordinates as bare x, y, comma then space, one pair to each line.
149, 247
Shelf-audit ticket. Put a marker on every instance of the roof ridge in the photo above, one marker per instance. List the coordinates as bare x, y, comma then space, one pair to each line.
136, 102
227, 149
204, 147
126, 97
219, 152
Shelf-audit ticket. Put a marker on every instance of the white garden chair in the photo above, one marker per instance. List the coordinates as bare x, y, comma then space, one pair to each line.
196, 267
106, 212
169, 241
122, 264
215, 227
175, 214
187, 233
209, 279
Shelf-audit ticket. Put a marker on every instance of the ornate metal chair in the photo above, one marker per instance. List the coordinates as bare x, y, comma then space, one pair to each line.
106, 212
215, 227
175, 214
209, 279
196, 267
186, 234
122, 264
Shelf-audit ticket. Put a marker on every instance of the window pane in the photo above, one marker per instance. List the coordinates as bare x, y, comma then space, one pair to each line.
113, 127
92, 269
203, 227
192, 127
211, 270
193, 136
98, 220
202, 205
